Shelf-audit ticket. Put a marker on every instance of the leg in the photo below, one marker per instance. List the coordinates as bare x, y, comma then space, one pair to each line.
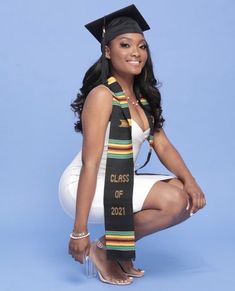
164, 206
176, 182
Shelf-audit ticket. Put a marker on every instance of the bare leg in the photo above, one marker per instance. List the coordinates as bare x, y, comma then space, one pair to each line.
164, 207
110, 270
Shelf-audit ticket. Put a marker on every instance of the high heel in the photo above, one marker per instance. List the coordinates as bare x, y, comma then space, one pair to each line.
91, 268
101, 246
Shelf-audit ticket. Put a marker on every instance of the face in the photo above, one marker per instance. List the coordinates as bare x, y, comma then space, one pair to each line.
127, 53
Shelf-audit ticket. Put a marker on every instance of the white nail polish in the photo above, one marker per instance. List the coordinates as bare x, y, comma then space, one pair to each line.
187, 208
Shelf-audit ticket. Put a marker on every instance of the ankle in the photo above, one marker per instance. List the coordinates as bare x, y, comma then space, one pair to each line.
100, 245
102, 240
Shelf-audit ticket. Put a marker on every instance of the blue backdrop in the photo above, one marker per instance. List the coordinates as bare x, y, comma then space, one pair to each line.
44, 53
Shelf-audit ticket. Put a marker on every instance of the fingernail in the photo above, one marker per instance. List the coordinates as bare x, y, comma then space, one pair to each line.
187, 208
191, 213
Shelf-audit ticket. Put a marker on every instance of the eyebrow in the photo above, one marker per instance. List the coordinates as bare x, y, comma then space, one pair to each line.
130, 38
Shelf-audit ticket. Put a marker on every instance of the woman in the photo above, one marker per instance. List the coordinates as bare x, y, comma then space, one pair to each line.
120, 107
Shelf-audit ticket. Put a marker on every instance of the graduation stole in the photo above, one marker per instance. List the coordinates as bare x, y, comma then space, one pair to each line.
119, 176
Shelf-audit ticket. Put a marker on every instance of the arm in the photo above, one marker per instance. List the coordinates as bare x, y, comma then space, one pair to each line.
172, 160
170, 157
95, 116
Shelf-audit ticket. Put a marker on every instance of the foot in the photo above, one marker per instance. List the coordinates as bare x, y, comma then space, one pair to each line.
129, 268
110, 270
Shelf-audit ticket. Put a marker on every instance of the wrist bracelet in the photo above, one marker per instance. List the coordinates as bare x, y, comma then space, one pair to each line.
79, 235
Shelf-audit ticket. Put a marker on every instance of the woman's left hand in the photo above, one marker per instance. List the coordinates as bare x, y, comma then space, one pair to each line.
198, 200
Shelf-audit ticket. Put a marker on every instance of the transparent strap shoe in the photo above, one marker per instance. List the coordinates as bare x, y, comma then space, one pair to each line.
138, 274
89, 268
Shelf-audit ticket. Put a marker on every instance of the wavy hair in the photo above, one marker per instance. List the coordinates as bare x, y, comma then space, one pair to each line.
145, 84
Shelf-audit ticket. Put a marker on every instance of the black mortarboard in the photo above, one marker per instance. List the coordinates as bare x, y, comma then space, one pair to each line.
106, 28
96, 27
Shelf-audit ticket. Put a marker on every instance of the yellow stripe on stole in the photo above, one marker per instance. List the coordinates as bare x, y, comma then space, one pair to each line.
120, 146
111, 80
119, 244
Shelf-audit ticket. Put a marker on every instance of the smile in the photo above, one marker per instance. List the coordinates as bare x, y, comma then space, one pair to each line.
134, 62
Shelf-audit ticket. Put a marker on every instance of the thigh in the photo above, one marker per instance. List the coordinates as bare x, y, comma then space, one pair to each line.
166, 194
142, 186
68, 193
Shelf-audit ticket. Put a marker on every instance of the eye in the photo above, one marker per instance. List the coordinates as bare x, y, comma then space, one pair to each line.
143, 46
126, 45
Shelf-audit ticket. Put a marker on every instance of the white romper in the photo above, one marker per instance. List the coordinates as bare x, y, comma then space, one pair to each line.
69, 180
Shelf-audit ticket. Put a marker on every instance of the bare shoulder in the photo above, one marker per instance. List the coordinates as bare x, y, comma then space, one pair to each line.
100, 92
98, 103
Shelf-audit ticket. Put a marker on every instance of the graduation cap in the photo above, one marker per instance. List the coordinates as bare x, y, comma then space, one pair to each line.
106, 28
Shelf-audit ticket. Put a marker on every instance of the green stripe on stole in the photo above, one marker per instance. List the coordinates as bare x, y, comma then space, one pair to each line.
119, 177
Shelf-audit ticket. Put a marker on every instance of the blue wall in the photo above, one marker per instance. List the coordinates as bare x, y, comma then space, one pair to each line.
44, 53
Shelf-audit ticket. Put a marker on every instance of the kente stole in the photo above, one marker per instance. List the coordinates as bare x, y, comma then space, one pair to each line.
119, 176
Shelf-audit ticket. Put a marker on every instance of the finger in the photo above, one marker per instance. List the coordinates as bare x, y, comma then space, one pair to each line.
205, 202
198, 206
202, 202
188, 205
194, 204
77, 258
87, 252
83, 258
199, 201
74, 255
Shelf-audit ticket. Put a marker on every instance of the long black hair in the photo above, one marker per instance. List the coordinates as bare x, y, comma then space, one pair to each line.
145, 84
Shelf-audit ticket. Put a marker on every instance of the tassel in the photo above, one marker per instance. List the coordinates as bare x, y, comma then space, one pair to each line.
103, 58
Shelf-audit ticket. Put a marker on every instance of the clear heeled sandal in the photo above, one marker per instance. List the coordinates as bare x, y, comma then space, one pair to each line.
90, 269
141, 271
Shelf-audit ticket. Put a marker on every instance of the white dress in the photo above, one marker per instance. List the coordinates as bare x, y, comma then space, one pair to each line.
69, 180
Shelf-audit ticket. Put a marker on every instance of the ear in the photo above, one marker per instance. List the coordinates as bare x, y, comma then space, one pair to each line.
107, 52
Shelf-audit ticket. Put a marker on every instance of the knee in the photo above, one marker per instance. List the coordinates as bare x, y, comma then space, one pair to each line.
176, 182
177, 202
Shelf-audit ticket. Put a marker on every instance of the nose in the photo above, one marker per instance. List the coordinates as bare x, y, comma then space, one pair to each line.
135, 52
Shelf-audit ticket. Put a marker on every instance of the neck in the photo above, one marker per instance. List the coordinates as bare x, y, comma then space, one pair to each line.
126, 82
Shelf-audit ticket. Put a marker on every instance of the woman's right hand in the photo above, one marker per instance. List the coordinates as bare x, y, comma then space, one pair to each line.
79, 248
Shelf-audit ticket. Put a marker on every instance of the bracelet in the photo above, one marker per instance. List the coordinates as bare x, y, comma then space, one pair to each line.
79, 235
